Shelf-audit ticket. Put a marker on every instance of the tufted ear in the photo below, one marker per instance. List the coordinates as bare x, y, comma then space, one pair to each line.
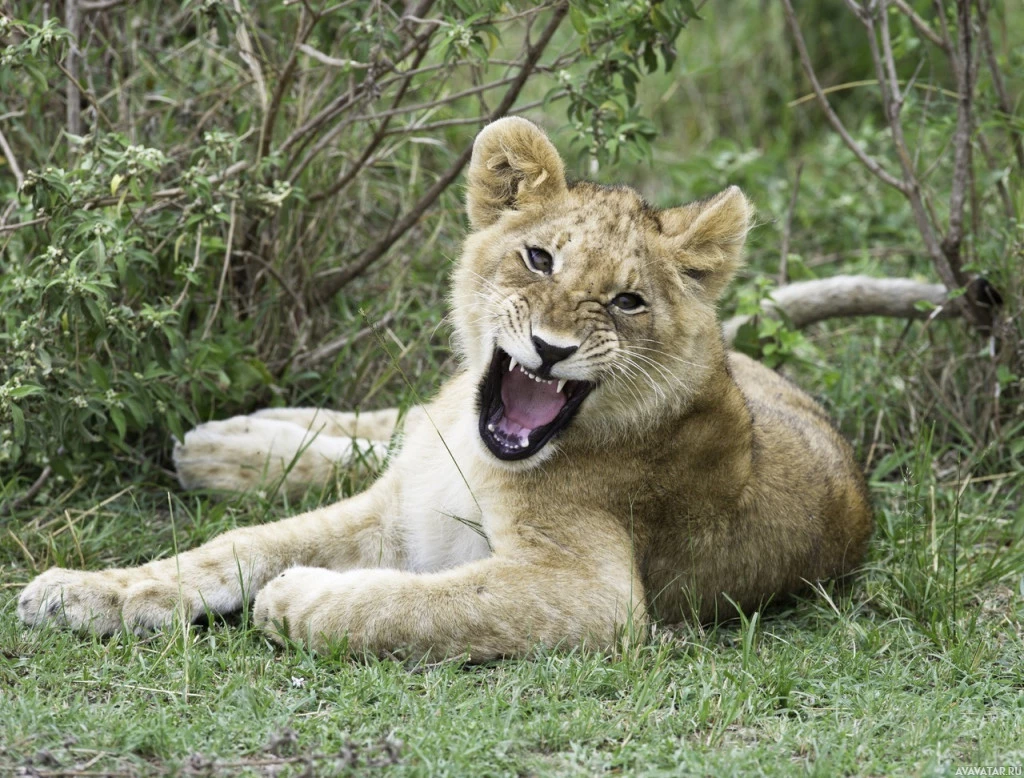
514, 167
708, 237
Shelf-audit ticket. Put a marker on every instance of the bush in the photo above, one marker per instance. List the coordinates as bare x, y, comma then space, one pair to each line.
213, 176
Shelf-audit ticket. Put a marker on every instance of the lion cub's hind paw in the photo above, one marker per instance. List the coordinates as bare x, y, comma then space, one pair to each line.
249, 452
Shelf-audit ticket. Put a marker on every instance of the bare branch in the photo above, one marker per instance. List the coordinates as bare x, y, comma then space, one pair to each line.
332, 347
334, 62
301, 135
885, 70
374, 252
806, 302
833, 119
922, 27
964, 70
985, 37
371, 147
248, 54
17, 502
167, 194
270, 117
20, 225
90, 6
73, 23
440, 124
12, 161
223, 273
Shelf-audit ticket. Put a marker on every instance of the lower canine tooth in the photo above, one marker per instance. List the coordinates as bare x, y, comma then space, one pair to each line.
490, 428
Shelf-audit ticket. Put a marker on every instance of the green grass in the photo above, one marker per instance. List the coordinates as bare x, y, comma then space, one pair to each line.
915, 667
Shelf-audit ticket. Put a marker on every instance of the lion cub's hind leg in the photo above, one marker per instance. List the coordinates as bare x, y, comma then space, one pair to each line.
296, 447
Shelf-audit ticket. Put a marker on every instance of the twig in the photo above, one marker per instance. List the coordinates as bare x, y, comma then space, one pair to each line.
166, 194
270, 117
12, 161
90, 6
964, 72
985, 37
195, 264
892, 98
334, 62
375, 141
300, 304
788, 226
833, 119
940, 12
1000, 185
40, 482
374, 252
248, 54
302, 134
441, 124
223, 275
921, 25
19, 225
866, 82
73, 23
329, 349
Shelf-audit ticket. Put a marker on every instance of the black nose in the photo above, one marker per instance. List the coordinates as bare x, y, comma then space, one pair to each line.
549, 354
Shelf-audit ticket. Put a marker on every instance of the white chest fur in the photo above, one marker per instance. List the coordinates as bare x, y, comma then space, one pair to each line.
439, 482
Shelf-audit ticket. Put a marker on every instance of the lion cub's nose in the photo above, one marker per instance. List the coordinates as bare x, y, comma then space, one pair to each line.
550, 354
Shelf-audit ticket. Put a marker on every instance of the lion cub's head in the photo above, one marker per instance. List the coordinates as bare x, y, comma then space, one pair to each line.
581, 309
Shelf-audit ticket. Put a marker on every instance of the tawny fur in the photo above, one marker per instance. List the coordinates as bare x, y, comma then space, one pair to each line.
691, 479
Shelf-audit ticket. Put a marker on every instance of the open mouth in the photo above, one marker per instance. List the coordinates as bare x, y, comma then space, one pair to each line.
520, 412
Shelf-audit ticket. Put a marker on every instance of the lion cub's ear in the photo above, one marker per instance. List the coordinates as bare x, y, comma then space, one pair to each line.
708, 237
514, 166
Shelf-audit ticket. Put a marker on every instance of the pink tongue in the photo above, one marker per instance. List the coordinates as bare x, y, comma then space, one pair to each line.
529, 403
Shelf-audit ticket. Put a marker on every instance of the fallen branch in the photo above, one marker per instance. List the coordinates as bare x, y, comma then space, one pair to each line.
805, 302
17, 502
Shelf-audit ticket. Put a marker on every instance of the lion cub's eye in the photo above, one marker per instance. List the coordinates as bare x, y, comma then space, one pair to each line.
539, 261
629, 302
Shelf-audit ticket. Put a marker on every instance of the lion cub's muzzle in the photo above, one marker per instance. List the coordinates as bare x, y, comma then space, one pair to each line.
521, 411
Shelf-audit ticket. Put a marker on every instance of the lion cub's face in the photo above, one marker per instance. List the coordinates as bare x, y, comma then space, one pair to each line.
582, 308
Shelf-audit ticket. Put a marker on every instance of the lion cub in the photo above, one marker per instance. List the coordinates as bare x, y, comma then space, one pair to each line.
598, 460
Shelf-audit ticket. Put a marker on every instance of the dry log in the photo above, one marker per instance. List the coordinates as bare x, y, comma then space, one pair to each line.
805, 302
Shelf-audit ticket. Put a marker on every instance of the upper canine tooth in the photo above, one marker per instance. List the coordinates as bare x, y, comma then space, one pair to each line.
512, 364
561, 385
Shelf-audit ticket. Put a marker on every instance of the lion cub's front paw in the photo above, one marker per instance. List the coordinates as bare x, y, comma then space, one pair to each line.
246, 452
104, 601
319, 607
74, 598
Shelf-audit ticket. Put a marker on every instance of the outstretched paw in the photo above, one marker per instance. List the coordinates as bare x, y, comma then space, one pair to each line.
78, 599
104, 601
319, 607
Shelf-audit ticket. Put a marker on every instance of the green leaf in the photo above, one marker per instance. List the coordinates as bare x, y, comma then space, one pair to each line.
688, 8
25, 391
578, 20
19, 423
117, 417
98, 374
